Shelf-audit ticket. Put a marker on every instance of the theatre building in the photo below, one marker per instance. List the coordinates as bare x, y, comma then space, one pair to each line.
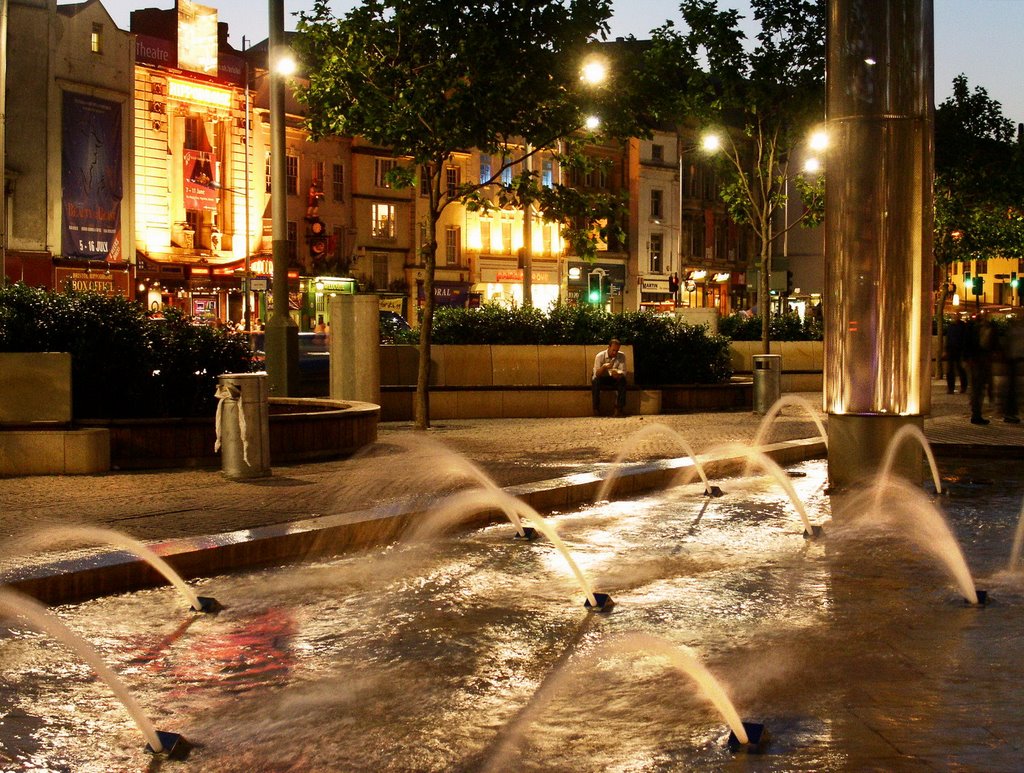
68, 163
197, 213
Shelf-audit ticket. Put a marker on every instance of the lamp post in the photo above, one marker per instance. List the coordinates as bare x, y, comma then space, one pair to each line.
282, 334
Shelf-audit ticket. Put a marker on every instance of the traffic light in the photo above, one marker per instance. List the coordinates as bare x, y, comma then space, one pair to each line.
978, 286
595, 289
789, 283
316, 237
1014, 281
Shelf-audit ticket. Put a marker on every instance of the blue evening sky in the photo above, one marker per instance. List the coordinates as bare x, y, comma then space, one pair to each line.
984, 39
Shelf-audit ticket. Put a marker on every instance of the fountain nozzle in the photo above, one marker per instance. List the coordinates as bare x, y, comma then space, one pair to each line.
982, 598
175, 747
604, 603
757, 739
208, 605
713, 491
529, 534
814, 533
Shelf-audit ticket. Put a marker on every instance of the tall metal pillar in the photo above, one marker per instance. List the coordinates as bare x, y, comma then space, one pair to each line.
282, 334
878, 248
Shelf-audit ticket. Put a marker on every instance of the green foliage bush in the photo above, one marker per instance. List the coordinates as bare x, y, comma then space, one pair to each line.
788, 327
123, 364
665, 351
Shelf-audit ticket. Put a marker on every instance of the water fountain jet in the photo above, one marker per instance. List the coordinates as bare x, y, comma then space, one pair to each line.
61, 534
786, 400
15, 604
631, 443
464, 504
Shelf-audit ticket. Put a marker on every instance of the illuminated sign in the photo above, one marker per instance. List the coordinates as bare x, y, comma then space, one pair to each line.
197, 37
198, 92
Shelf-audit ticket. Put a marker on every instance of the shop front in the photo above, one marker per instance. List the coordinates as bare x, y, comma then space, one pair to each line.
704, 288
501, 281
656, 293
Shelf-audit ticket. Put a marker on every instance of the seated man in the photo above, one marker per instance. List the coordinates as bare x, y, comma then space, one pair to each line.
610, 371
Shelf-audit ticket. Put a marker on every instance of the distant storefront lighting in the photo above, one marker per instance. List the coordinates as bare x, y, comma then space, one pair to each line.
198, 93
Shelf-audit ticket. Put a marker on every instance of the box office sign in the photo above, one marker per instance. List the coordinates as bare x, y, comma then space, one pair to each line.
97, 281
91, 187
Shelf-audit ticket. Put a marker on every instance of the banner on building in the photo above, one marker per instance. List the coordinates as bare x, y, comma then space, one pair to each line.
91, 177
197, 38
202, 172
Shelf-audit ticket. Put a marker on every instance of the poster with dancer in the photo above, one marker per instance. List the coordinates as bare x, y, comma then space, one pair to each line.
91, 177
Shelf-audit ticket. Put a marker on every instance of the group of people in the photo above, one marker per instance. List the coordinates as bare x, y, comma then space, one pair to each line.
972, 347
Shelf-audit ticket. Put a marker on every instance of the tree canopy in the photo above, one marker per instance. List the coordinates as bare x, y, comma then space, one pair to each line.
979, 178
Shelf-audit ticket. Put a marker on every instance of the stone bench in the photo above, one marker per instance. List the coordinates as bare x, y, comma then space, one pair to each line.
36, 436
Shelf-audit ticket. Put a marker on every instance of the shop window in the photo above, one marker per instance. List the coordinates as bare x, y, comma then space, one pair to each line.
383, 226
655, 250
381, 167
338, 182
96, 39
292, 175
452, 245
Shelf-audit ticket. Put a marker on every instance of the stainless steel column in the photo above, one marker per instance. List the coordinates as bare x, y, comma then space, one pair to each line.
878, 249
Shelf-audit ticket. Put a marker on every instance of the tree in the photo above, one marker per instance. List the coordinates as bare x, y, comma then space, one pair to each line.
427, 78
979, 179
761, 100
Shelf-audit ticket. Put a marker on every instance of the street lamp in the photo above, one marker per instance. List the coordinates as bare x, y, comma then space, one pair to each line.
711, 143
594, 71
282, 334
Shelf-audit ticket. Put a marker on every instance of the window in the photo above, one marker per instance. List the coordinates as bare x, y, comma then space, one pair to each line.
268, 176
547, 173
381, 168
506, 237
602, 177
506, 172
293, 238
338, 182
383, 226
452, 243
292, 175
380, 271
981, 266
655, 249
710, 184
451, 181
425, 180
588, 179
193, 133
656, 198
96, 39
485, 168
485, 236
657, 152
318, 175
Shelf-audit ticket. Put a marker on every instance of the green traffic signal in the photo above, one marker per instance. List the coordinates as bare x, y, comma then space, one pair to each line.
594, 296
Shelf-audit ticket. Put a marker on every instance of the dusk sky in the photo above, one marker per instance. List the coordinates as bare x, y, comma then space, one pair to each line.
984, 39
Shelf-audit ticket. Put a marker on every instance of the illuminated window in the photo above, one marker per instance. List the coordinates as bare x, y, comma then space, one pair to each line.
655, 251
383, 226
380, 173
292, 175
425, 180
485, 168
485, 235
96, 39
338, 182
547, 173
506, 173
268, 175
452, 245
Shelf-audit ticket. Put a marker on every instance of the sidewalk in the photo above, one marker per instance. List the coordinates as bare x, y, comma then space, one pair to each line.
181, 503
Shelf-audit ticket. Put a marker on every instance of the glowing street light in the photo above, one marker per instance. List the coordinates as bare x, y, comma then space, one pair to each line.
594, 71
593, 123
711, 143
818, 140
812, 166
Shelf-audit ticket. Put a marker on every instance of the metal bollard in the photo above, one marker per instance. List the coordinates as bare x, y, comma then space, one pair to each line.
767, 381
243, 425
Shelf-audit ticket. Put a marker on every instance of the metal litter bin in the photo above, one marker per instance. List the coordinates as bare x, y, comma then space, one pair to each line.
767, 381
243, 425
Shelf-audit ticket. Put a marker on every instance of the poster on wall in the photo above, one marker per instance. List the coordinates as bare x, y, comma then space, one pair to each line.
197, 38
205, 307
202, 172
91, 177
